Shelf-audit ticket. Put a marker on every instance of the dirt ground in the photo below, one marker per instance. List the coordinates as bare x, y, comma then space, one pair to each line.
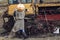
47, 38
30, 38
